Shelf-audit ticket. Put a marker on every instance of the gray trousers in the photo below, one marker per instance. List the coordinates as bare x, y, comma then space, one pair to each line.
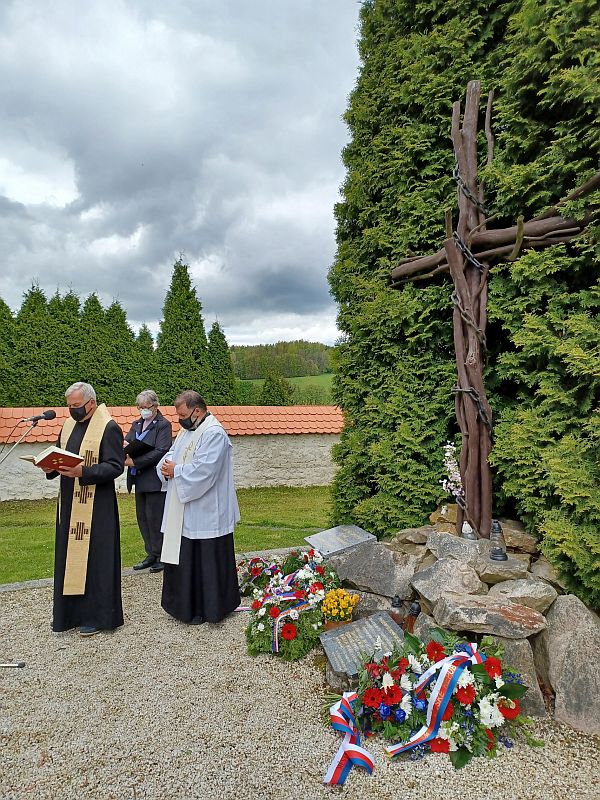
149, 507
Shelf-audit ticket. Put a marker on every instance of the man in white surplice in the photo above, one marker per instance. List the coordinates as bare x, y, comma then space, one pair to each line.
201, 511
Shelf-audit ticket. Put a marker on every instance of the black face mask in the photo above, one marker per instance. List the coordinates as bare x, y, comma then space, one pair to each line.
187, 423
78, 413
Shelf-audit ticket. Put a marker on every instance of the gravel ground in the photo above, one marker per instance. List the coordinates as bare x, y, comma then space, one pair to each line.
162, 710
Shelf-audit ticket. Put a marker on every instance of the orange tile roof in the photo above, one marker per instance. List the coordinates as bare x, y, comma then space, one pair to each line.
237, 420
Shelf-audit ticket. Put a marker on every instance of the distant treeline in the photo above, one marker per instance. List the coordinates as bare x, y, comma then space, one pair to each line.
291, 359
48, 344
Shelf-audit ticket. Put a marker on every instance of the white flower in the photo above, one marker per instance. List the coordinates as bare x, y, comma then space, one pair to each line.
315, 626
447, 731
317, 557
294, 614
489, 714
260, 627
466, 679
415, 664
406, 703
499, 682
262, 611
387, 681
406, 683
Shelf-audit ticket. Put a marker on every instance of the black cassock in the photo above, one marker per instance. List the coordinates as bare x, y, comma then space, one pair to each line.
101, 605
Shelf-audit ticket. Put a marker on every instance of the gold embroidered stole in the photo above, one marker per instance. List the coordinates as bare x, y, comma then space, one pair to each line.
80, 524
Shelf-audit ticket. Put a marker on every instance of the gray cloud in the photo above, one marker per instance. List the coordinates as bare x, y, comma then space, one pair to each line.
132, 130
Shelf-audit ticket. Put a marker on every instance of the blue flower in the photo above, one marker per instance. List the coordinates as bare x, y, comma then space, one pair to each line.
463, 648
384, 711
420, 705
399, 715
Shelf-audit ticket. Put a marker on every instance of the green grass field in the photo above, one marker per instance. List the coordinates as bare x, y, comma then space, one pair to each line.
272, 517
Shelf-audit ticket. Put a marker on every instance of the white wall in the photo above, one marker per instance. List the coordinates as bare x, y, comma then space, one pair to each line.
270, 460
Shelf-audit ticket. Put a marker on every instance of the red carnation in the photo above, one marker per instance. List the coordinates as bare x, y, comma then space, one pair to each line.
492, 666
317, 586
449, 710
274, 612
400, 669
439, 745
372, 698
320, 570
256, 604
288, 631
491, 740
311, 553
465, 694
255, 572
392, 695
508, 712
435, 651
373, 669
300, 594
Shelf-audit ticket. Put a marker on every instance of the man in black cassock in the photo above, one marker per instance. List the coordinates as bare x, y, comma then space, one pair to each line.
87, 590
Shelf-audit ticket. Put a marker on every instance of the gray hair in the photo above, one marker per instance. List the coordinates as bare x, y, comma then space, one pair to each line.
86, 389
148, 396
190, 399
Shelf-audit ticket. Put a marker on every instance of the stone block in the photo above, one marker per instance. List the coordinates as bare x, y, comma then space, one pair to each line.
524, 558
423, 626
446, 575
567, 654
517, 537
445, 545
531, 592
413, 535
496, 571
519, 656
485, 614
377, 569
372, 603
543, 569
447, 512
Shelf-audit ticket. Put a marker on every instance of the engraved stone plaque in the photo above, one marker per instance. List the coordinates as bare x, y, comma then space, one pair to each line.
339, 539
344, 646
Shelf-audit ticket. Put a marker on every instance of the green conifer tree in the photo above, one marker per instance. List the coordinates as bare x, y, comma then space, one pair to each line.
276, 391
32, 324
145, 361
95, 357
64, 345
8, 386
182, 348
224, 389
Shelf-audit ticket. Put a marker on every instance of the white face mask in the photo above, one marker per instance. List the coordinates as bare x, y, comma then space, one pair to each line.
146, 413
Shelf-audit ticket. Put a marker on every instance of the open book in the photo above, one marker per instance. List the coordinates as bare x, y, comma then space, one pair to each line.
53, 457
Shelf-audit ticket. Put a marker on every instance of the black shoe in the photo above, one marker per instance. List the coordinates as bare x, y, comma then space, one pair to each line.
158, 566
88, 630
147, 562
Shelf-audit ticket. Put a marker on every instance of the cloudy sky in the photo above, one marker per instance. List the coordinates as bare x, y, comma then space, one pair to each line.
135, 130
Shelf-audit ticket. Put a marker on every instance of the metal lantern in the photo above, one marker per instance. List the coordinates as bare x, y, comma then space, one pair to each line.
497, 545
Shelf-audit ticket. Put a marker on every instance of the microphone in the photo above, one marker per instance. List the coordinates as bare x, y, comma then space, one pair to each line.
46, 415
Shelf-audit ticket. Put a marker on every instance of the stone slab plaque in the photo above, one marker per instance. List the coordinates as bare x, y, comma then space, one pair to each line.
339, 539
373, 636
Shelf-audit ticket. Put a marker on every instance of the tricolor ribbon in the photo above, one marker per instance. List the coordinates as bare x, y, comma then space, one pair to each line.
299, 607
450, 669
350, 753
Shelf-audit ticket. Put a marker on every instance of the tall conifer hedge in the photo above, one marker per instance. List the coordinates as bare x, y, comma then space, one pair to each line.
395, 363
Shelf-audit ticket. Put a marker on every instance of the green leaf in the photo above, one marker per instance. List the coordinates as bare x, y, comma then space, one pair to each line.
512, 690
412, 643
460, 757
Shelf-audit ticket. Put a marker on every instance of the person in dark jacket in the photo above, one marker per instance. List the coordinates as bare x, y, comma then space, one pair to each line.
156, 434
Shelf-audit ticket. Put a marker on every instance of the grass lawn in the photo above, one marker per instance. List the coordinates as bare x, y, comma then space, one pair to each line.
272, 517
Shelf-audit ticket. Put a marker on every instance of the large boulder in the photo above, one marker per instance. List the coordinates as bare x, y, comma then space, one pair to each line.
567, 654
530, 592
485, 614
496, 571
446, 513
378, 569
446, 575
424, 624
413, 535
519, 656
517, 538
445, 545
372, 603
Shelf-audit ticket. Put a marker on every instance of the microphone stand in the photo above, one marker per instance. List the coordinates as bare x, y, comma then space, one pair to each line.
17, 664
31, 427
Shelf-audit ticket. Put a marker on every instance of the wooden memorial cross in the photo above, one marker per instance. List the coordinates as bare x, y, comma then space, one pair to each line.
467, 254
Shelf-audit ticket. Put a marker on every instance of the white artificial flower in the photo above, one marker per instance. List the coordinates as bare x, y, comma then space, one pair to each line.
415, 664
466, 679
387, 681
262, 611
406, 683
499, 682
406, 704
294, 614
317, 557
489, 714
260, 626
